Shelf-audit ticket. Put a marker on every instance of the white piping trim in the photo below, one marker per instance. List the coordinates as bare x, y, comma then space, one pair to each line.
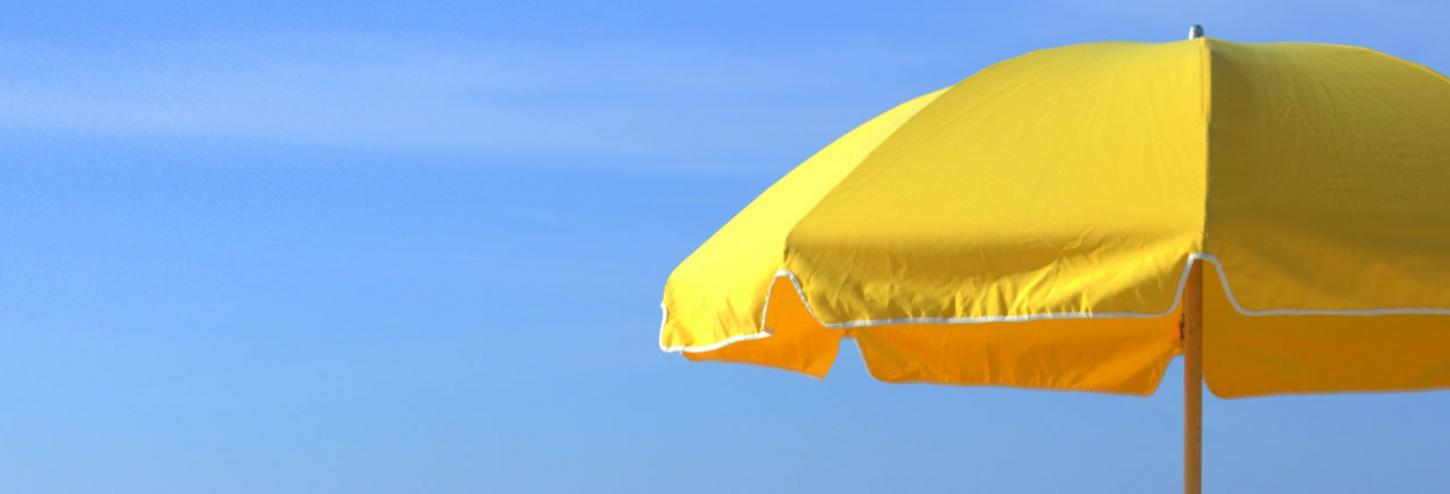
714, 346
1234, 301
764, 332
1177, 299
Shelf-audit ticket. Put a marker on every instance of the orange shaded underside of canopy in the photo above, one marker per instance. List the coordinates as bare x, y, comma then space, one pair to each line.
1243, 355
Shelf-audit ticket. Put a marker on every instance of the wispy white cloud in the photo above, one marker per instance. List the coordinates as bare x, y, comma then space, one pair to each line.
450, 96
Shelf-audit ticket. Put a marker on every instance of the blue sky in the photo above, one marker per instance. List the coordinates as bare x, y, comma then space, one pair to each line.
401, 247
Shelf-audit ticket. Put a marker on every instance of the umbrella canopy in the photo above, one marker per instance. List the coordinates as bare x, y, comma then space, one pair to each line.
1036, 224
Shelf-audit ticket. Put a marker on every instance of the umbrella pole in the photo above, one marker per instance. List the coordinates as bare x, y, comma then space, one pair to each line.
1193, 381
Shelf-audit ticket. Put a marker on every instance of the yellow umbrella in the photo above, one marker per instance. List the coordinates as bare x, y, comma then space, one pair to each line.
1045, 222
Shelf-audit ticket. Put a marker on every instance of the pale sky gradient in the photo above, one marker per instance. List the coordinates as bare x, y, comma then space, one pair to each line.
419, 247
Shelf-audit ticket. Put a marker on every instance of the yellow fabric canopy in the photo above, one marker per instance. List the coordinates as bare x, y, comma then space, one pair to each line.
1033, 225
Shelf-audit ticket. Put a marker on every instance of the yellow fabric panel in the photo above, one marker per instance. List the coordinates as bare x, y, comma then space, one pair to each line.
1329, 178
1261, 355
797, 342
1106, 355
717, 294
1065, 181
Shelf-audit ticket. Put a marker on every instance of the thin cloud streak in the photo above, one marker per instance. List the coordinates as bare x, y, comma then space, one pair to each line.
376, 94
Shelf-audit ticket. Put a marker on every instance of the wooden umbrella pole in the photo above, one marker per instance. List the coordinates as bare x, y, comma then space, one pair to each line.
1193, 381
